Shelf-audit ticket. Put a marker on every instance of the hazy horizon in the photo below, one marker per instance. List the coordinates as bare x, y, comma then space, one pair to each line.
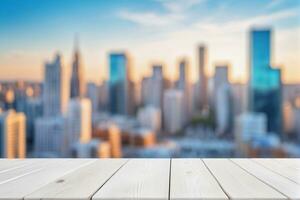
150, 31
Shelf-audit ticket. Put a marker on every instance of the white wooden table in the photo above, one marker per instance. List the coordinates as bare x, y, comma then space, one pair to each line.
150, 179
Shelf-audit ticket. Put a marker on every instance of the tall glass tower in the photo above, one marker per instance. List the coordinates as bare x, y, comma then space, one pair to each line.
265, 82
118, 83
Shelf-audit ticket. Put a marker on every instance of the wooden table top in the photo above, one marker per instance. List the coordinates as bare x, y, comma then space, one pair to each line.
150, 179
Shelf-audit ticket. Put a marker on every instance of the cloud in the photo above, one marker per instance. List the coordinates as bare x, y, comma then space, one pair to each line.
176, 6
150, 18
176, 11
274, 4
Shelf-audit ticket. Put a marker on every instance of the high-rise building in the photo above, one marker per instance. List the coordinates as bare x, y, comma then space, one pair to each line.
119, 83
203, 98
173, 111
224, 110
150, 117
265, 82
93, 95
49, 135
55, 94
77, 77
12, 135
34, 110
157, 82
79, 122
248, 126
49, 130
104, 96
145, 88
184, 84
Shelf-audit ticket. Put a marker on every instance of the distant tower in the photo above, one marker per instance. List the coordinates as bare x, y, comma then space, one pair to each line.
265, 82
202, 77
12, 134
77, 78
79, 121
55, 89
173, 111
120, 86
184, 84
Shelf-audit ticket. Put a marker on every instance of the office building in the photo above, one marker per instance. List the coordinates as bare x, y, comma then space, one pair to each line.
173, 111
49, 136
150, 117
55, 93
119, 84
79, 122
184, 84
34, 110
49, 129
111, 132
93, 95
265, 82
12, 135
157, 86
78, 87
248, 126
95, 148
202, 61
224, 110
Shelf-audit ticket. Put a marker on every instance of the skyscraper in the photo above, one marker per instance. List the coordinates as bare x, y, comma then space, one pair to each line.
173, 110
202, 77
184, 84
55, 88
77, 77
265, 82
12, 135
157, 82
119, 83
49, 129
49, 136
79, 122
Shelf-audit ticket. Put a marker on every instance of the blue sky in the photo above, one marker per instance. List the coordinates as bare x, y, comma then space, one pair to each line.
31, 31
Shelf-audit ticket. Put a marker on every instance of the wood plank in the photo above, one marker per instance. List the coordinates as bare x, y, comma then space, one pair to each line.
81, 184
11, 164
138, 179
290, 162
19, 188
278, 167
280, 183
238, 184
21, 170
190, 179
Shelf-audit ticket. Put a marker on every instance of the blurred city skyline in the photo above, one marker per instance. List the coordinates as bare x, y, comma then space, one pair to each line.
158, 31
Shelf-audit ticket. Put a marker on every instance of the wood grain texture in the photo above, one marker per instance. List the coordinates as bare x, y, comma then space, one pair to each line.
289, 172
280, 183
238, 184
81, 184
138, 179
19, 188
190, 179
21, 170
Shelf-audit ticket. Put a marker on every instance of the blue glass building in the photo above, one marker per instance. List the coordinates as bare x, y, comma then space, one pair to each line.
265, 82
118, 83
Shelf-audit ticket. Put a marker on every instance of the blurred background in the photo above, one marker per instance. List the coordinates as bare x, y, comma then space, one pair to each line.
151, 78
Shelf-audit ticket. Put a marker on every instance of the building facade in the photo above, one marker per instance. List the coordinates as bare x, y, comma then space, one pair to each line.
265, 82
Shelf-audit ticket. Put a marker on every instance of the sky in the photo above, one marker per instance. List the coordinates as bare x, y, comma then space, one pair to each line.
151, 31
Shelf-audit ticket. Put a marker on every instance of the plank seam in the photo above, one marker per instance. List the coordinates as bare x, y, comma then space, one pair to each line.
259, 178
169, 193
57, 178
216, 179
274, 171
109, 178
